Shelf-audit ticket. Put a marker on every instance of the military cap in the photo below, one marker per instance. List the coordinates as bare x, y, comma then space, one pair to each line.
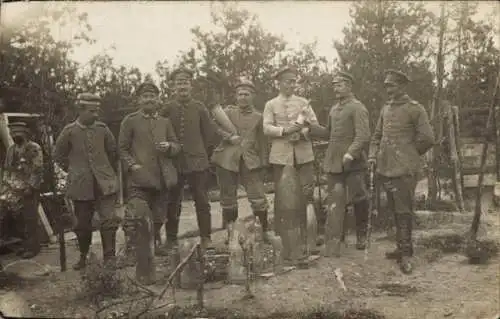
245, 83
182, 70
343, 77
16, 128
87, 98
284, 70
147, 87
396, 77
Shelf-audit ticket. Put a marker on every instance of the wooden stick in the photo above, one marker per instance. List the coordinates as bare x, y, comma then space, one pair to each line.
179, 268
201, 281
479, 189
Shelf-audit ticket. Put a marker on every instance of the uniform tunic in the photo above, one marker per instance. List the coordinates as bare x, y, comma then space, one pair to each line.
349, 133
147, 186
88, 154
195, 129
243, 162
402, 135
279, 113
282, 112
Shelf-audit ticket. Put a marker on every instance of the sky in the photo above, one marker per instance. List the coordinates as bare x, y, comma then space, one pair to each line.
141, 33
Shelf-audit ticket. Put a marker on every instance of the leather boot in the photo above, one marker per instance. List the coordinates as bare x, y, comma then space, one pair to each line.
84, 239
262, 216
395, 254
406, 245
361, 215
108, 239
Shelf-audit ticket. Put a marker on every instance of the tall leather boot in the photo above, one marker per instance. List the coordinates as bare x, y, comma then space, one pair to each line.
406, 244
262, 216
108, 239
84, 239
361, 215
395, 254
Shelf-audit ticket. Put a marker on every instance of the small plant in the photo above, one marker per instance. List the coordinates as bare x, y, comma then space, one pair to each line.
100, 282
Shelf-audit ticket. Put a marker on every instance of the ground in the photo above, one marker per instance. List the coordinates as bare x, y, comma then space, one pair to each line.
443, 285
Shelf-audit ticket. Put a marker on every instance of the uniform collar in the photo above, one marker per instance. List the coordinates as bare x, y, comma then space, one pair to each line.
83, 126
345, 100
149, 116
246, 110
400, 100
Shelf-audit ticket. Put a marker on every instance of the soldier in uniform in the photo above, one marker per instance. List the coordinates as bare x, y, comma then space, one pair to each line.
345, 160
403, 134
22, 176
195, 128
241, 157
147, 143
86, 149
284, 123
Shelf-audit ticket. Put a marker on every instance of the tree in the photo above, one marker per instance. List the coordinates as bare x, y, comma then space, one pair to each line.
240, 48
383, 35
32, 60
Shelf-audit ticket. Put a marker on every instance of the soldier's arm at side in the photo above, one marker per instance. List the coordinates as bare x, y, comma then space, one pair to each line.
361, 132
268, 122
125, 143
111, 147
175, 147
424, 137
62, 148
208, 128
376, 137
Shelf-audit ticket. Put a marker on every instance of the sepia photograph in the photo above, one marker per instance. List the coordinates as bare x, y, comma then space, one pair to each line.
250, 159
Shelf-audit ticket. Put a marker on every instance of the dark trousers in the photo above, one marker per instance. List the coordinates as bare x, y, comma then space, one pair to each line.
84, 210
400, 196
253, 182
197, 182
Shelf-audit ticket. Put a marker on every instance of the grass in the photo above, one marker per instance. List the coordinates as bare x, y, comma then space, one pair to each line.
477, 252
314, 313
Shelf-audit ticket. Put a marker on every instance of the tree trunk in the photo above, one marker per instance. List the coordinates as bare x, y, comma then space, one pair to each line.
433, 157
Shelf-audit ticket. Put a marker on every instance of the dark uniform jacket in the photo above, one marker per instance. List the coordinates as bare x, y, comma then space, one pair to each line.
348, 130
195, 130
402, 135
139, 135
88, 154
253, 147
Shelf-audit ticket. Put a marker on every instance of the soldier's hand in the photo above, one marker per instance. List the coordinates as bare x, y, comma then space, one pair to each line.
235, 139
347, 158
163, 146
135, 167
292, 129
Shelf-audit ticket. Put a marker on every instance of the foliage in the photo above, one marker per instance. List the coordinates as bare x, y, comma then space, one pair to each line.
40, 65
387, 35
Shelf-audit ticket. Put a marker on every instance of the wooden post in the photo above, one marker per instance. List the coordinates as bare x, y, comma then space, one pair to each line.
201, 281
497, 138
479, 189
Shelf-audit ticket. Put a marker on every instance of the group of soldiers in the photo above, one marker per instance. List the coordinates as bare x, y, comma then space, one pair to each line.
161, 147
